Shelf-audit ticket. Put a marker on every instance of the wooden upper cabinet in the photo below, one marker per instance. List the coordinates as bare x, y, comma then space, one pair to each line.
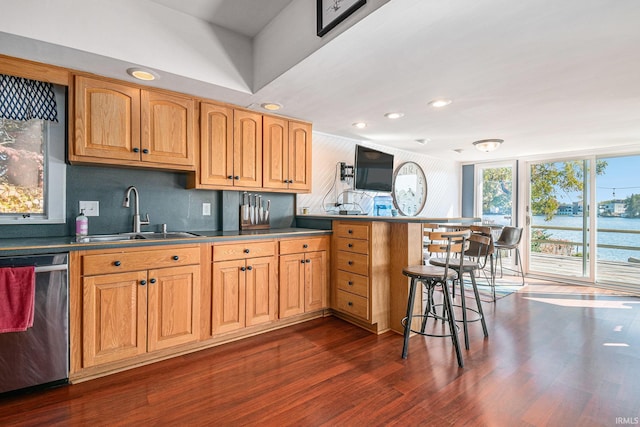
247, 149
123, 125
230, 148
168, 129
107, 120
287, 154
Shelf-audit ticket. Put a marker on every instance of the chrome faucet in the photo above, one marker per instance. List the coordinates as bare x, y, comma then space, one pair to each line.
137, 222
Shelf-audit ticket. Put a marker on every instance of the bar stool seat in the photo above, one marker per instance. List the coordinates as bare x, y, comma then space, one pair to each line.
431, 276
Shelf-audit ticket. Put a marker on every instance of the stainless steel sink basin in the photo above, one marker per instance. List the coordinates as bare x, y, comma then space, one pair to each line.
122, 237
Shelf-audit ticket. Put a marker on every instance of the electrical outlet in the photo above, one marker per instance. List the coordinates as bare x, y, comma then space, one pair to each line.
206, 209
91, 208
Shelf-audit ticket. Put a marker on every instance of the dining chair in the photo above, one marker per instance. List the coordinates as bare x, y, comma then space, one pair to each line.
510, 240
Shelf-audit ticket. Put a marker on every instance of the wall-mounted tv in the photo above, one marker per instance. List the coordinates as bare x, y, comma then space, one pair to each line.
373, 169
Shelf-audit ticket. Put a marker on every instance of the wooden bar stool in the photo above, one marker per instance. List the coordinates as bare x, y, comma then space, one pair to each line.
449, 243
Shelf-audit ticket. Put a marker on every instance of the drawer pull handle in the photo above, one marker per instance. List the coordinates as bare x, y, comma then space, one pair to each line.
152, 281
350, 283
246, 251
350, 245
250, 268
350, 262
143, 282
350, 304
117, 263
243, 269
176, 257
305, 246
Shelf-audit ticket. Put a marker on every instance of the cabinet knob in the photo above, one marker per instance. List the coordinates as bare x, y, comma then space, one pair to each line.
236, 177
117, 263
136, 150
301, 261
176, 257
145, 151
246, 251
350, 304
143, 282
350, 283
229, 176
305, 246
350, 262
152, 281
350, 245
350, 231
243, 268
307, 261
250, 268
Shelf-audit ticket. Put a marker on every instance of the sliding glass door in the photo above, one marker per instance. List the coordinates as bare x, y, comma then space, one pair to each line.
583, 220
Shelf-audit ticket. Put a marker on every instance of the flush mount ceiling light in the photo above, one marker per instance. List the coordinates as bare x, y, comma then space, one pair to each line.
359, 125
488, 145
423, 140
439, 103
393, 116
141, 74
271, 106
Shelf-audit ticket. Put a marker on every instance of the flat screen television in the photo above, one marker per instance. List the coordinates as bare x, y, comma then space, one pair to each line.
373, 169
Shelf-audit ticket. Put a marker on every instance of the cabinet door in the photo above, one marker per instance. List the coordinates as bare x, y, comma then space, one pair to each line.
107, 120
292, 268
315, 277
114, 317
247, 149
262, 291
299, 158
168, 129
275, 152
174, 306
228, 296
216, 145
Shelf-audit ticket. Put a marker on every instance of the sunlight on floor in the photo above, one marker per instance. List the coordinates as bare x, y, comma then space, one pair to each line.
567, 302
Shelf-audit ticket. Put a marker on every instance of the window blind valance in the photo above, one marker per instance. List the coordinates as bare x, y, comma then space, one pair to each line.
25, 99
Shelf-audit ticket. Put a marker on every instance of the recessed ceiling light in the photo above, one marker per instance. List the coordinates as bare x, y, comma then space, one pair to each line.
393, 115
271, 106
439, 103
141, 74
359, 125
423, 140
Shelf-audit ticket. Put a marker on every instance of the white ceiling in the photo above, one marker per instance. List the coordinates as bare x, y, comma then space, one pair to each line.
543, 75
546, 76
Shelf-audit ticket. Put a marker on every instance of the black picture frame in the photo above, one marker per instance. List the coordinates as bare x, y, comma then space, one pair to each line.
331, 12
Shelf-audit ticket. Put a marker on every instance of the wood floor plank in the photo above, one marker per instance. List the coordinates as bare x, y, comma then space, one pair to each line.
556, 356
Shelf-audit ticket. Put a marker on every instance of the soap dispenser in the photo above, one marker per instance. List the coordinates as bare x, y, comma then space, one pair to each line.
82, 224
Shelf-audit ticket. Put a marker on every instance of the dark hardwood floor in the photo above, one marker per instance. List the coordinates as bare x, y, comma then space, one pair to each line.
555, 356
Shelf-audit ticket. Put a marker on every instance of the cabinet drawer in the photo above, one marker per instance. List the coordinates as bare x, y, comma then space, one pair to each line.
354, 263
118, 262
354, 231
243, 250
353, 283
352, 245
353, 304
295, 246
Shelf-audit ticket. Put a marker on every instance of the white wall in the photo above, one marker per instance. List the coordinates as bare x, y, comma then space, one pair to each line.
443, 177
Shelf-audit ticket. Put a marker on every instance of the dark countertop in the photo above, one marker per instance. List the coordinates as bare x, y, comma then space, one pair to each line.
42, 245
411, 219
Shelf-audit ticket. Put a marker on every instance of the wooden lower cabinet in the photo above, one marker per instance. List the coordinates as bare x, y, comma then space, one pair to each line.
244, 293
244, 284
127, 314
303, 276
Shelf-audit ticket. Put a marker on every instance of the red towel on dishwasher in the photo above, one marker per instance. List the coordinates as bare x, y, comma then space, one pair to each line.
17, 298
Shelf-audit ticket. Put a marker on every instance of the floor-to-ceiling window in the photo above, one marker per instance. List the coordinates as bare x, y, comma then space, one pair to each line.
495, 193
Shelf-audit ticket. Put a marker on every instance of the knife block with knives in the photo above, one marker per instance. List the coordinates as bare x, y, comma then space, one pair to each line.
254, 213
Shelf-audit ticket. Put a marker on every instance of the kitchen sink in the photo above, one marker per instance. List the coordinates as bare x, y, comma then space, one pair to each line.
123, 237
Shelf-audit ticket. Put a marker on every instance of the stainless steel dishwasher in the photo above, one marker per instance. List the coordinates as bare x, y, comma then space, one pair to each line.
39, 357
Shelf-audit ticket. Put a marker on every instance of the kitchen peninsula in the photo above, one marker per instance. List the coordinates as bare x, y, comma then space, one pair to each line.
368, 254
